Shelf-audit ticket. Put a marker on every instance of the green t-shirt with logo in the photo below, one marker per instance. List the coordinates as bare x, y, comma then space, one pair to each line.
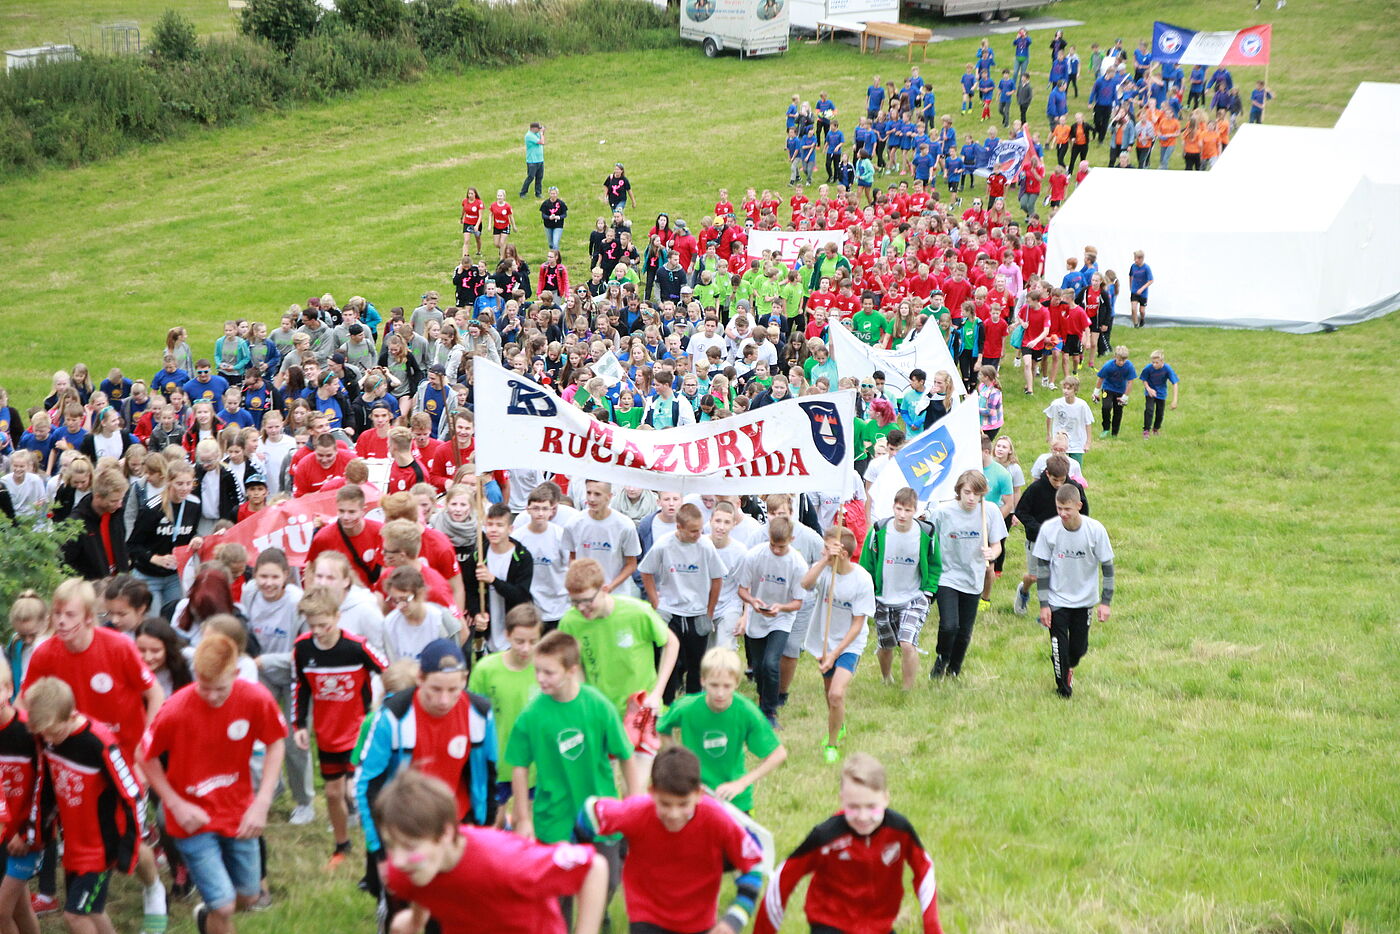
509, 692
618, 650
870, 327
719, 739
569, 745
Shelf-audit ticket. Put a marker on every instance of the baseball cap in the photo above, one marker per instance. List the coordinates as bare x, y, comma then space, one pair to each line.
441, 655
686, 288
338, 358
438, 368
255, 479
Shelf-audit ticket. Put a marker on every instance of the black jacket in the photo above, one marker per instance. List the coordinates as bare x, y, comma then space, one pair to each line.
514, 588
89, 445
229, 496
1037, 505
153, 534
85, 554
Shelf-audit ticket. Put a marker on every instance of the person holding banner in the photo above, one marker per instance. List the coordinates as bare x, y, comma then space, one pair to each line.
970, 533
845, 599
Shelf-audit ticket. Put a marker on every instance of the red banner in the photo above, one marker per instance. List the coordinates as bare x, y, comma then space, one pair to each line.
288, 526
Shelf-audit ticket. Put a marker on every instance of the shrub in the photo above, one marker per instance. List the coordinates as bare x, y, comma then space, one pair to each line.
173, 39
378, 18
32, 559
284, 23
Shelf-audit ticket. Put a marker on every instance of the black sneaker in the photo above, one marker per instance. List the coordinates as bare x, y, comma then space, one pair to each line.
201, 917
940, 667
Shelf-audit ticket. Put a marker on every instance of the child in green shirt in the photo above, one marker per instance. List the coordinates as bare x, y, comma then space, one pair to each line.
508, 680
719, 725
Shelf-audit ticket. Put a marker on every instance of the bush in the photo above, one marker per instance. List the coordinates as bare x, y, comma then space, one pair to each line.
343, 61
439, 26
174, 39
378, 18
284, 23
32, 559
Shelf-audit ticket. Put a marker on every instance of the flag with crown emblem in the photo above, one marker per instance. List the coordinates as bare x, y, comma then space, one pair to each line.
931, 463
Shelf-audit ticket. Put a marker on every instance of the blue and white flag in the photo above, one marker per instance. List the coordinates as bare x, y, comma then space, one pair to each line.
932, 462
1249, 46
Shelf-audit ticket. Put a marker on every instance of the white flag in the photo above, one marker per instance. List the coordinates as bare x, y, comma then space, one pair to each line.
931, 462
927, 352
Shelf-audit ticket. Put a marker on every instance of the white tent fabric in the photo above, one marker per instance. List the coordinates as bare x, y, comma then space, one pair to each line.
1256, 242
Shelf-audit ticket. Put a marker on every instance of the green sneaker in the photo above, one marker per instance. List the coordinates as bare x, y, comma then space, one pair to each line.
1104, 434
831, 754
841, 733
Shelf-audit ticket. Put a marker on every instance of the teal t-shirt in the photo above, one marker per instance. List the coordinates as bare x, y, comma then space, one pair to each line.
998, 483
534, 148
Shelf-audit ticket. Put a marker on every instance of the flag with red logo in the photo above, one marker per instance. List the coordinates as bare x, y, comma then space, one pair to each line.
1249, 46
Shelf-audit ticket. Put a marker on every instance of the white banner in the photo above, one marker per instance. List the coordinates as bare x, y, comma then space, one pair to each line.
926, 352
786, 244
796, 446
931, 462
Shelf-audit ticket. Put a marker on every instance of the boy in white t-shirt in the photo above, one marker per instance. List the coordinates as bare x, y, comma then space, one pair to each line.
901, 554
730, 611
546, 543
970, 534
682, 575
1072, 416
606, 536
770, 583
1070, 552
837, 634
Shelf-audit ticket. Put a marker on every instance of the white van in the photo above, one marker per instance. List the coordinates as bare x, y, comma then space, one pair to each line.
750, 27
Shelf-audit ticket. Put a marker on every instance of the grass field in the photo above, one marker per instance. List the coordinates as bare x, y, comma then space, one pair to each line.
1228, 761
80, 22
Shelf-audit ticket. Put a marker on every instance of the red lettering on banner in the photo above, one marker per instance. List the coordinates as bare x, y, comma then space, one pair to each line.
702, 456
754, 433
550, 444
727, 454
665, 458
632, 457
578, 445
602, 442
796, 468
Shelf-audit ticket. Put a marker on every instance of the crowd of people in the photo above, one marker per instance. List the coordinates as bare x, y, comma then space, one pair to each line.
465, 658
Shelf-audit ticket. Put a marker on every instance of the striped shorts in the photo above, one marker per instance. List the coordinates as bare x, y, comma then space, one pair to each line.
900, 622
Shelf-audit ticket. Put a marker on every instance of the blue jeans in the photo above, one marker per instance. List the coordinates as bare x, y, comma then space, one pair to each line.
1166, 155
1023, 64
552, 236
765, 653
535, 171
222, 867
164, 590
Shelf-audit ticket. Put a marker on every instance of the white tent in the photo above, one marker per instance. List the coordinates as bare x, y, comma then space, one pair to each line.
1295, 228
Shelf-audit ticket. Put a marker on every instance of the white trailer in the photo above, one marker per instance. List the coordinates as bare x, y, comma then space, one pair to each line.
750, 27
807, 14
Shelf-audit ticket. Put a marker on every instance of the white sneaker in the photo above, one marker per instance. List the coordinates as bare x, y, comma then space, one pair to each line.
302, 814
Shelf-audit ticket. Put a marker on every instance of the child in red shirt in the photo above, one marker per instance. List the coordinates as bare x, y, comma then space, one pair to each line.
475, 880
332, 677
197, 757
1059, 184
679, 844
502, 221
18, 773
856, 860
88, 788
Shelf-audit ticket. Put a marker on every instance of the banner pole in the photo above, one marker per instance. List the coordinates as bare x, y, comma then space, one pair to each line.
831, 588
480, 639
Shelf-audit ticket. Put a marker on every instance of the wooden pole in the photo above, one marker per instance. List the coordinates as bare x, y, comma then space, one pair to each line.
480, 638
831, 588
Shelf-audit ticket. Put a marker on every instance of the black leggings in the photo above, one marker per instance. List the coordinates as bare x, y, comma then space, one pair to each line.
957, 614
1078, 152
1112, 411
1152, 413
1060, 150
880, 154
1193, 161
833, 162
685, 679
1069, 640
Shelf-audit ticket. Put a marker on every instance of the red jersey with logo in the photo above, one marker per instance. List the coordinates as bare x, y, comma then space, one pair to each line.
442, 747
366, 545
1074, 321
333, 686
309, 476
403, 478
471, 211
18, 774
108, 680
672, 880
515, 883
209, 749
89, 786
370, 446
994, 338
857, 882
501, 214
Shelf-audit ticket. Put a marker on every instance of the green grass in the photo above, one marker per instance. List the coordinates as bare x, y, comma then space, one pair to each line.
1227, 763
79, 22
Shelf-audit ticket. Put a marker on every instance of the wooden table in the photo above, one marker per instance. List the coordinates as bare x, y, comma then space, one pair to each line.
902, 32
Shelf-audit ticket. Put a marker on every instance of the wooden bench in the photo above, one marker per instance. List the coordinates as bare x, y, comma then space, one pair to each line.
901, 32
833, 26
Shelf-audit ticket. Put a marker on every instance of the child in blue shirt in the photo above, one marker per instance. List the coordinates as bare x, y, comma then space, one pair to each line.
835, 140
1115, 379
1022, 46
929, 113
807, 147
1139, 281
793, 154
1258, 100
969, 81
1155, 380
971, 154
1198, 87
1006, 89
985, 88
953, 165
881, 128
874, 98
924, 164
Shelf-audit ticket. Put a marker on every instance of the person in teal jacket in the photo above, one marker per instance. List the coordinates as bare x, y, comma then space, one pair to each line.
901, 553
232, 355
